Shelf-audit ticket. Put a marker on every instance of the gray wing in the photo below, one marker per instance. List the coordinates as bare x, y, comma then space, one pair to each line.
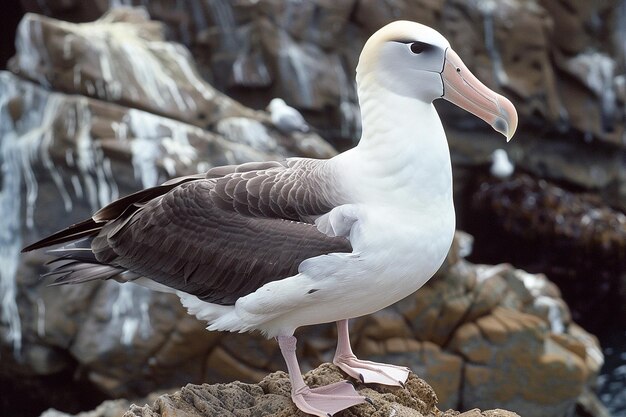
297, 189
224, 236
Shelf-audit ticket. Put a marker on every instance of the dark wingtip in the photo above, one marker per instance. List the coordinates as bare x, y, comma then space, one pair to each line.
32, 247
73, 232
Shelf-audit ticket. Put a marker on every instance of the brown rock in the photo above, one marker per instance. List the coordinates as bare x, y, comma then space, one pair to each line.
271, 397
492, 329
163, 80
135, 67
443, 371
468, 341
224, 367
576, 23
383, 325
515, 372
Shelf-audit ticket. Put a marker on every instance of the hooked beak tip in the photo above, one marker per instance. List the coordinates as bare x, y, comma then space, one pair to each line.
506, 123
462, 88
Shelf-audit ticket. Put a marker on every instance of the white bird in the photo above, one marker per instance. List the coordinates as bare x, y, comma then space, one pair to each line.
501, 166
286, 118
273, 246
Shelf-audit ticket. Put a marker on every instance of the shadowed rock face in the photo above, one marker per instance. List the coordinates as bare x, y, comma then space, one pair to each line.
570, 236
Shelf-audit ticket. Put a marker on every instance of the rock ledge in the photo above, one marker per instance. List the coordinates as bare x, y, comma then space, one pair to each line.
271, 398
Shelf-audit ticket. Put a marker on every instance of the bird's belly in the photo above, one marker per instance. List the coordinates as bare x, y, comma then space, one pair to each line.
394, 255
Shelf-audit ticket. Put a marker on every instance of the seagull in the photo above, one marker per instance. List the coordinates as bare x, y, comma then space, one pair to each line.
286, 118
501, 166
273, 246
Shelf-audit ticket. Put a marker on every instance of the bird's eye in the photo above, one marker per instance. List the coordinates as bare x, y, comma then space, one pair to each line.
418, 47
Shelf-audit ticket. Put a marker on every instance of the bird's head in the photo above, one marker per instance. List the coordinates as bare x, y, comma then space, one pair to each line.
276, 103
410, 59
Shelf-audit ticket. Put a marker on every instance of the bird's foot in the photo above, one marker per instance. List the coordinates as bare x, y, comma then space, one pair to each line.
372, 372
327, 400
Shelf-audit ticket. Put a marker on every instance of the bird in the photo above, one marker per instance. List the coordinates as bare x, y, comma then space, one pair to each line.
501, 165
286, 118
274, 246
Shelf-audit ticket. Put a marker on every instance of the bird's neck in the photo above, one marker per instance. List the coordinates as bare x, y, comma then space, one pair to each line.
403, 147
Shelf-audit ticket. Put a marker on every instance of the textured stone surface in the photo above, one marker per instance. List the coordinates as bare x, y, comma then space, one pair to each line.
271, 397
123, 58
307, 53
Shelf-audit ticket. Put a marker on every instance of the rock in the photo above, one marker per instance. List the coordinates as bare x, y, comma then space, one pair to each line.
134, 65
307, 53
568, 235
136, 68
577, 24
271, 397
487, 373
109, 408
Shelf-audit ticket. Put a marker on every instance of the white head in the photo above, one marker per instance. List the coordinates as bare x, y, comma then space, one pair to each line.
276, 103
410, 59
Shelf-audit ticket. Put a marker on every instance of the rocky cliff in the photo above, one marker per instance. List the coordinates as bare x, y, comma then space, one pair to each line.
562, 63
93, 111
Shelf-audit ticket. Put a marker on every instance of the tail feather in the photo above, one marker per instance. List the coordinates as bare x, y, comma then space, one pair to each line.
75, 272
76, 263
79, 251
93, 225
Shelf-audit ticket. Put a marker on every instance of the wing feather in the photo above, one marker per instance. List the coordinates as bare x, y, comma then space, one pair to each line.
219, 236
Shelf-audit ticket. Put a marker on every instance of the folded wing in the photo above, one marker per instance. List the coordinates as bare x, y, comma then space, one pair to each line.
218, 237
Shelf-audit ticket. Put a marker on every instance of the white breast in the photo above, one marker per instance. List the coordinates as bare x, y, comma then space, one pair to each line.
403, 248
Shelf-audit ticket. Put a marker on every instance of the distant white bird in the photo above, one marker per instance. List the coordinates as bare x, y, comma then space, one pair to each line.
501, 166
286, 118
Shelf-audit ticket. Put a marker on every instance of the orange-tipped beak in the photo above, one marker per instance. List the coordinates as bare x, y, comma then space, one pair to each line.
462, 88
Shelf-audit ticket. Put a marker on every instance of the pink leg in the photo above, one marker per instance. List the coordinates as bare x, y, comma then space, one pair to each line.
323, 401
366, 371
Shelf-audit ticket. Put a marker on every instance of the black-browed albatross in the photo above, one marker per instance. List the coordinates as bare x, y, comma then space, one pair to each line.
273, 246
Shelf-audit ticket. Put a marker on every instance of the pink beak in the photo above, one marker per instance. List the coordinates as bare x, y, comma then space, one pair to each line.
462, 88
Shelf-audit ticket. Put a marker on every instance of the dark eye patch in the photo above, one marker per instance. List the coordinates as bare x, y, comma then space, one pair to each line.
419, 47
